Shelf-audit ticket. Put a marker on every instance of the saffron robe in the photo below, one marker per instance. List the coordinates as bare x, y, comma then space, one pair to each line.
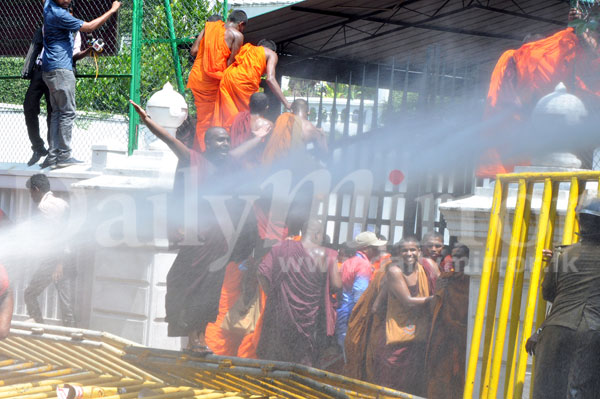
222, 342
400, 352
205, 76
296, 305
362, 327
286, 137
194, 282
447, 344
240, 80
523, 76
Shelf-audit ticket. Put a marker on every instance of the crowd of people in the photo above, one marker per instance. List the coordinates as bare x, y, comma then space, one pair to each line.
277, 290
283, 294
272, 286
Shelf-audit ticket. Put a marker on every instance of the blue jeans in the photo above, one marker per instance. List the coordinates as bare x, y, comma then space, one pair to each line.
61, 83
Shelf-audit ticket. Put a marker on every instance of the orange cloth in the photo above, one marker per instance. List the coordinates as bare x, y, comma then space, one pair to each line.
247, 348
240, 81
383, 259
363, 328
220, 341
521, 77
447, 346
286, 135
205, 76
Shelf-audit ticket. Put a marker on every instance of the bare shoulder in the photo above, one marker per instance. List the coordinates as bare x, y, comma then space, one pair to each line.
233, 34
394, 272
270, 54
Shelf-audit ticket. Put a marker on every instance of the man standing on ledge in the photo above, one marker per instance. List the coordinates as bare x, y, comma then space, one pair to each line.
57, 73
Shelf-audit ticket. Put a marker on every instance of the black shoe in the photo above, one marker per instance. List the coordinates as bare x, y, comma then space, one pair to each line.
37, 155
47, 163
67, 162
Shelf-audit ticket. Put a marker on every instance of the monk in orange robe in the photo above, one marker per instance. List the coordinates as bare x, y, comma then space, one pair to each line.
523, 76
242, 79
292, 132
215, 49
447, 343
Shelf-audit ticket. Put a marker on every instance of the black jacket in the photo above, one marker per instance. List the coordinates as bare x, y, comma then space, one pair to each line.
35, 48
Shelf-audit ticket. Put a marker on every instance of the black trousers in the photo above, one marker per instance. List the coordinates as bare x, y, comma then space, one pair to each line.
567, 363
40, 280
31, 108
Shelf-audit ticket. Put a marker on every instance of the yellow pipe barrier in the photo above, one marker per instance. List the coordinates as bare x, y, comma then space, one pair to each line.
515, 314
509, 277
541, 306
571, 227
534, 284
490, 321
494, 231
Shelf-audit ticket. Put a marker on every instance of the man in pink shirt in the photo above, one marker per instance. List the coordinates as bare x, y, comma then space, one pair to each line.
356, 274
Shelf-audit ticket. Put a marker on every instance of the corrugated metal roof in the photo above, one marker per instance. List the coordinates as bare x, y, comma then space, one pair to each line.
36, 359
374, 31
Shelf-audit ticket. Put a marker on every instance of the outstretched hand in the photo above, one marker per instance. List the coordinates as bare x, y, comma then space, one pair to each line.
263, 131
116, 5
143, 115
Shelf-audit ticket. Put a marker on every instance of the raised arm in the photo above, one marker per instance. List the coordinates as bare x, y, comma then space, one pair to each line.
234, 39
272, 60
82, 54
335, 275
196, 45
397, 287
182, 152
313, 134
101, 20
258, 135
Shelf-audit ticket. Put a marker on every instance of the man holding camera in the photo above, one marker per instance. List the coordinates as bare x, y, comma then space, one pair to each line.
57, 73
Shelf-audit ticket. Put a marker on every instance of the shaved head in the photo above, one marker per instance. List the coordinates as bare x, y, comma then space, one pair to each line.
217, 143
270, 44
259, 102
214, 18
300, 106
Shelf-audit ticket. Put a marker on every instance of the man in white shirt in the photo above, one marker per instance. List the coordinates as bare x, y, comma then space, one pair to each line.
55, 268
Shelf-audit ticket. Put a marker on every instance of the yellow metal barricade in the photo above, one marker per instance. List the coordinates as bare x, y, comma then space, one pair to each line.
498, 325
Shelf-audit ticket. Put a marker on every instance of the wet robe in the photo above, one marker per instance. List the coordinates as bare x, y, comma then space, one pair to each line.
523, 76
241, 129
447, 344
193, 286
222, 342
240, 80
400, 352
296, 304
206, 75
362, 327
285, 138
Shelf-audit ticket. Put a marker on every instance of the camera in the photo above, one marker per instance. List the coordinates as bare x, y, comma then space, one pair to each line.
97, 44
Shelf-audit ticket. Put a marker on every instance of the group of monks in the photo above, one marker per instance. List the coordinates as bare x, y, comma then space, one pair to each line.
407, 329
226, 72
269, 287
